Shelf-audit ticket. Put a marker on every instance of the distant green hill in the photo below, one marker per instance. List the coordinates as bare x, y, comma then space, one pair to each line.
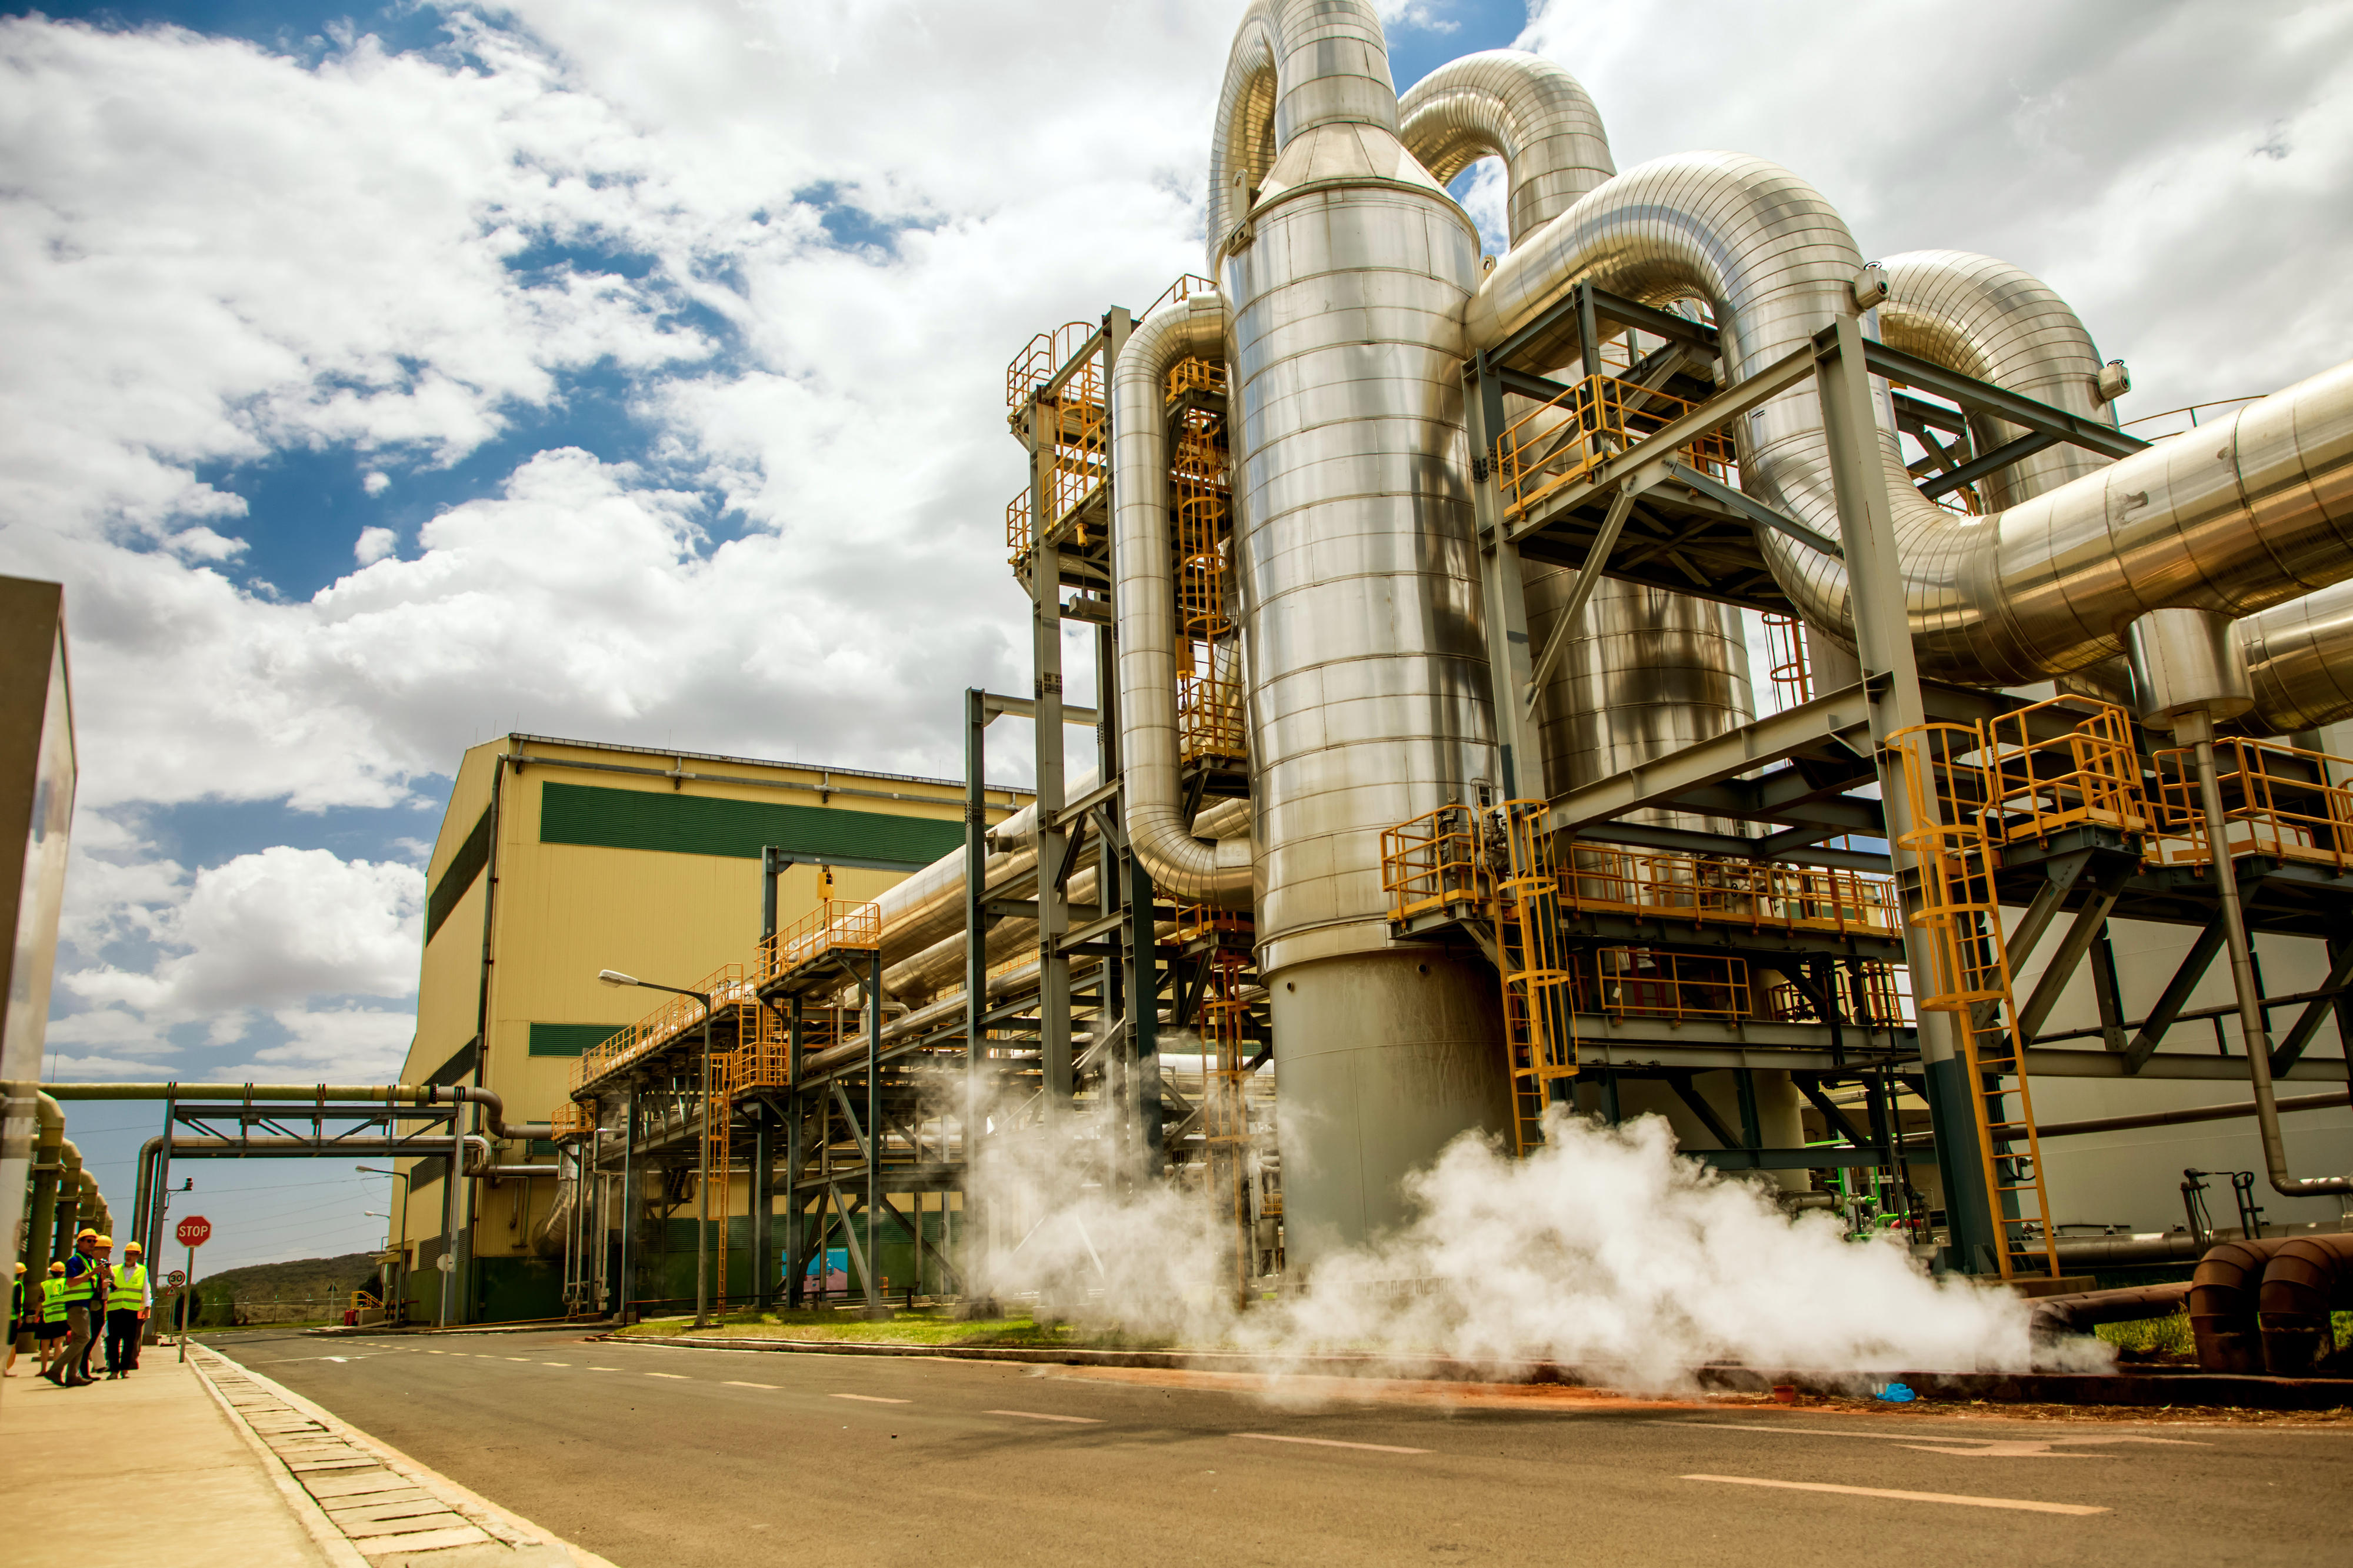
307, 1287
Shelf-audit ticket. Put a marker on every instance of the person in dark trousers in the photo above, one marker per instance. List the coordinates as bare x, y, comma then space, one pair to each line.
126, 1312
84, 1276
52, 1331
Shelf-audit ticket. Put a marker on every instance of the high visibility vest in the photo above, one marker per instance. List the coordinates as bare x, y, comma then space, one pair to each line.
81, 1287
53, 1298
130, 1288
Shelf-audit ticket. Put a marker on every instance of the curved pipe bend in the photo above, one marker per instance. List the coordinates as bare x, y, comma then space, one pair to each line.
1191, 868
1294, 64
1522, 108
2232, 518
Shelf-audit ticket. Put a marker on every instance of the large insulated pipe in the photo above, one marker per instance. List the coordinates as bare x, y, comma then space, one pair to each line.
1187, 868
1345, 268
2299, 660
41, 1221
1649, 671
2231, 517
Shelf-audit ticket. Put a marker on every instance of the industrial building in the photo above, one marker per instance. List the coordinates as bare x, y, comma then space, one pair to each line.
1429, 791
558, 858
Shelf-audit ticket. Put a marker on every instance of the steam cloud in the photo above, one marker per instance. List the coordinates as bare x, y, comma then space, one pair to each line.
1605, 1250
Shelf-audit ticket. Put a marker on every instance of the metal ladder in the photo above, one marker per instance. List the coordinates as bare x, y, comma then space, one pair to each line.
1961, 917
1539, 1015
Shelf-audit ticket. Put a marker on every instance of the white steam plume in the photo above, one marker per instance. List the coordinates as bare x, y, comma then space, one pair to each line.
1604, 1250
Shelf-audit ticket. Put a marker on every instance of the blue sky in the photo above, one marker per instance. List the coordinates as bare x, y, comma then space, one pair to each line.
383, 380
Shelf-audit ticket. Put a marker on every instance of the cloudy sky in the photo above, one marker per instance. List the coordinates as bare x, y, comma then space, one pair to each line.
382, 380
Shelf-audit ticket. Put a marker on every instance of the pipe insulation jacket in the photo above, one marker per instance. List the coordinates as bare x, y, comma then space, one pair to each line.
2232, 517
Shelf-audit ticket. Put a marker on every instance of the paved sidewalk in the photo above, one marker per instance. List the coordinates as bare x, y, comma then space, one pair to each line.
209, 1466
141, 1471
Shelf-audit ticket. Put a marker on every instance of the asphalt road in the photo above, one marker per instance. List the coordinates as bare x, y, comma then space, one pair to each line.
672, 1458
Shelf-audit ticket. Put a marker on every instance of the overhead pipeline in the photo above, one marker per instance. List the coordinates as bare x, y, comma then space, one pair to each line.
1648, 672
2232, 517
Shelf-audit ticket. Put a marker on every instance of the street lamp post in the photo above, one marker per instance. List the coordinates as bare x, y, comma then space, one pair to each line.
401, 1176
702, 1157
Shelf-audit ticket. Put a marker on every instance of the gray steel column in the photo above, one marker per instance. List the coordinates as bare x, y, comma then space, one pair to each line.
1054, 838
155, 1239
702, 1172
874, 1307
1520, 756
764, 1203
795, 1155
449, 1207
622, 1288
975, 937
1884, 646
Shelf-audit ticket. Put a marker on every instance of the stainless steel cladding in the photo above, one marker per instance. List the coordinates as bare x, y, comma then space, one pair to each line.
2232, 517
2299, 660
1347, 267
1186, 867
1522, 108
1648, 671
1997, 323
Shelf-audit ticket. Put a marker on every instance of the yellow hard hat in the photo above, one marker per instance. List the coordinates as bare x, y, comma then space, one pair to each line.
130, 1246
57, 1268
20, 1268
86, 1235
106, 1241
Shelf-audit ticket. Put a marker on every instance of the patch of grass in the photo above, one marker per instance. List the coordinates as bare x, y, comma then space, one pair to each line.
2151, 1336
907, 1328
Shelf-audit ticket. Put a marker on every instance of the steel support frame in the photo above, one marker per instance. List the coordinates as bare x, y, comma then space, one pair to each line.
1843, 370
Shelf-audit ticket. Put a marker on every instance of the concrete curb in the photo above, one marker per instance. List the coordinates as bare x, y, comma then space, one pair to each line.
2174, 1389
330, 1542
528, 1543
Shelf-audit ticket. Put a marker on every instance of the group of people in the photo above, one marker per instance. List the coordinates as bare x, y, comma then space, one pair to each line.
88, 1292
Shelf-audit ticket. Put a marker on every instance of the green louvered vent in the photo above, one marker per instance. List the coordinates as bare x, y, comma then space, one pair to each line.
472, 856
570, 1039
701, 824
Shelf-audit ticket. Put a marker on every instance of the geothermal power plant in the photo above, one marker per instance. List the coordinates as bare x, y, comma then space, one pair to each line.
1429, 786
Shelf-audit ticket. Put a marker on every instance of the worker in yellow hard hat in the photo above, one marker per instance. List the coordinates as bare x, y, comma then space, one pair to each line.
126, 1310
84, 1294
52, 1331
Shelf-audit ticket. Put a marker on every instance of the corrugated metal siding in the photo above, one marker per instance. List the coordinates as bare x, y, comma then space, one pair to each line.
704, 824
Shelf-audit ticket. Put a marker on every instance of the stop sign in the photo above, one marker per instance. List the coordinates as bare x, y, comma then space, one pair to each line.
193, 1231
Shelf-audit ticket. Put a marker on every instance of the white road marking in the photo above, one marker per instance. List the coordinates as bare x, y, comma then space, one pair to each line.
1979, 1448
515, 1358
555, 1364
873, 1399
1331, 1442
341, 1358
2023, 1505
673, 1376
733, 1383
1042, 1415
604, 1369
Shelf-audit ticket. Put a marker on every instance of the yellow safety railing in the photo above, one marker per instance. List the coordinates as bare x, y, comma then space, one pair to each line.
1432, 863
1756, 895
2277, 800
1559, 442
1208, 663
1786, 664
573, 1119
1187, 284
1870, 996
1947, 785
728, 989
1229, 1039
2089, 775
1041, 358
1642, 983
832, 925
